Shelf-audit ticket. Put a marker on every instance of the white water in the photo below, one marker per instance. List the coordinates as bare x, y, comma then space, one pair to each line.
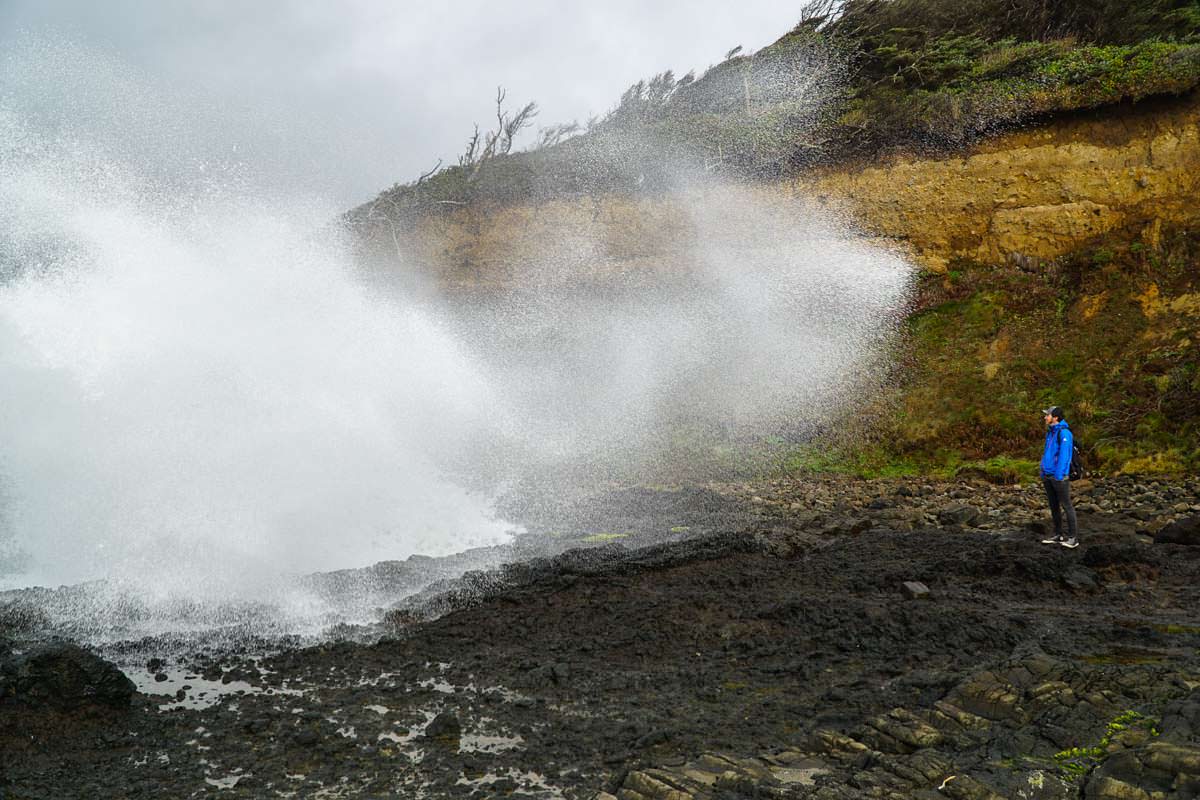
200, 398
196, 394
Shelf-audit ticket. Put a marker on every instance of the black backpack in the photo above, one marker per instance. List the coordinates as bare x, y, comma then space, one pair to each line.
1076, 470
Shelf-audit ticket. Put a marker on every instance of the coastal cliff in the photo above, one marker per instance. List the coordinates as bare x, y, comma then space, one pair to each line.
1022, 197
1057, 264
1039, 193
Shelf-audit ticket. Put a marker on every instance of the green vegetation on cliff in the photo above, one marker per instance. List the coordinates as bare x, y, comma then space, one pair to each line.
935, 72
852, 80
1110, 334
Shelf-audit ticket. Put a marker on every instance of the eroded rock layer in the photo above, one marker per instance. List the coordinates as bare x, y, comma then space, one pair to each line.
1025, 197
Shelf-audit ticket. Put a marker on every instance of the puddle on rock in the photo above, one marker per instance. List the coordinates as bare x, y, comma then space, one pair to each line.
497, 743
197, 692
528, 783
225, 782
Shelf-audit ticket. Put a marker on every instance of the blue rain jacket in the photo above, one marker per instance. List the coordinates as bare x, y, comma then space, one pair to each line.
1056, 458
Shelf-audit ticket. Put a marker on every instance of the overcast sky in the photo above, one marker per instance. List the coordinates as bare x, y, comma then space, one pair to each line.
345, 98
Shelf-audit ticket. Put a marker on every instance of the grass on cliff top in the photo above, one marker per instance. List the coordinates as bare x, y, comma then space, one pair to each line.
989, 87
853, 80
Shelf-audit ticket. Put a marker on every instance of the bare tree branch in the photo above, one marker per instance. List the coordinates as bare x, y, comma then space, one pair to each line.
427, 175
498, 142
500, 95
467, 159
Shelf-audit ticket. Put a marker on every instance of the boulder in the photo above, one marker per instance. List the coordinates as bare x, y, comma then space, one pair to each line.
555, 673
1159, 769
1184, 531
1122, 552
959, 514
63, 676
19, 619
1181, 719
902, 519
444, 729
307, 737
901, 731
1080, 579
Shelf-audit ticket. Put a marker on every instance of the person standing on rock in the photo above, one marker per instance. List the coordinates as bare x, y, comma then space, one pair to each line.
1056, 466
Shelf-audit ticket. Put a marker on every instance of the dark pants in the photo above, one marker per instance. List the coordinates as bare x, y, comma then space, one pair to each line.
1059, 492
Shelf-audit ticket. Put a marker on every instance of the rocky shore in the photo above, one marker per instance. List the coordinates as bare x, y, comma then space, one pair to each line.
792, 639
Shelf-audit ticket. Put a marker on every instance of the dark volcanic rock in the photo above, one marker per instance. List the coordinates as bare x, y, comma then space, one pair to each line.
307, 737
1125, 552
1184, 531
1159, 769
1080, 579
445, 729
1181, 720
18, 618
548, 674
723, 648
959, 514
63, 676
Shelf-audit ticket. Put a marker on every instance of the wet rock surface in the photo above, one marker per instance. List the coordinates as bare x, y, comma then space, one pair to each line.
1181, 531
753, 640
63, 676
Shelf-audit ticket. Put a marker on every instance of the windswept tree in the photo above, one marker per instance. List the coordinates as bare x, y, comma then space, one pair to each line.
645, 100
548, 137
482, 148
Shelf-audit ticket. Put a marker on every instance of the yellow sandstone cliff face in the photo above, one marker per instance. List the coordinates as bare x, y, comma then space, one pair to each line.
1024, 197
1038, 193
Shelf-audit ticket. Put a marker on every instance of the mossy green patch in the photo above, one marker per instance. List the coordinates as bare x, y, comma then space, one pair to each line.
1076, 762
604, 537
1000, 469
990, 349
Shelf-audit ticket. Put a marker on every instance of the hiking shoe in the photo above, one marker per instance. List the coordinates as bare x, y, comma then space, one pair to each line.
1056, 539
1070, 543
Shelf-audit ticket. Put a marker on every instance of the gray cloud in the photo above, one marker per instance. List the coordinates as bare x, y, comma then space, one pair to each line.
345, 98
